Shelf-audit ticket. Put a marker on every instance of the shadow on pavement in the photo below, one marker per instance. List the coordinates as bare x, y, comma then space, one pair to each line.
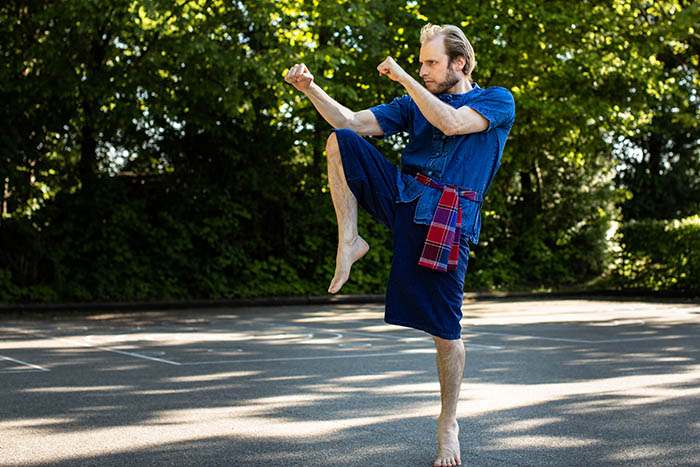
595, 397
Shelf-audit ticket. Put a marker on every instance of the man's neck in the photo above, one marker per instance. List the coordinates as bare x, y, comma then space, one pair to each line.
462, 87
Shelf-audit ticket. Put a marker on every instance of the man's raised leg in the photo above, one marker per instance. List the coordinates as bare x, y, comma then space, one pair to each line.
351, 246
450, 362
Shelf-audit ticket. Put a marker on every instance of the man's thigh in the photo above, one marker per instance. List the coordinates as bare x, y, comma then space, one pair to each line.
371, 178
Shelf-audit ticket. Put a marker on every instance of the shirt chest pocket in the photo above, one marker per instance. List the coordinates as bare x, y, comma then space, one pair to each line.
441, 148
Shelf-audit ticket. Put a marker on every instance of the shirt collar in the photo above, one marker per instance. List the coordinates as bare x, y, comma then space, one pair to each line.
455, 97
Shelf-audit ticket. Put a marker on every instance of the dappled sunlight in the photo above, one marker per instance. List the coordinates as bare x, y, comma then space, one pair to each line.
40, 343
277, 379
270, 417
344, 314
637, 454
212, 377
407, 391
144, 318
554, 442
562, 311
278, 417
425, 351
377, 328
372, 378
494, 396
526, 425
55, 389
275, 385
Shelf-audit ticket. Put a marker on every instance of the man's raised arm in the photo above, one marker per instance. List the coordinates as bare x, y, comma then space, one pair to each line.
446, 118
336, 114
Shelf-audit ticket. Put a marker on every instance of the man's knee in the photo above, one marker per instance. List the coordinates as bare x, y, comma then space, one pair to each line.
447, 345
332, 148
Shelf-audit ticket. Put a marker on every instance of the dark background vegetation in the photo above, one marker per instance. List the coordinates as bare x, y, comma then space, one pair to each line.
151, 150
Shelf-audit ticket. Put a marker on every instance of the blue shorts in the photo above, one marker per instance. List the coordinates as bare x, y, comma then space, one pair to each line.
416, 296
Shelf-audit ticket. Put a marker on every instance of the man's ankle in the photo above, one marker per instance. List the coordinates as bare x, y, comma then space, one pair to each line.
447, 419
348, 239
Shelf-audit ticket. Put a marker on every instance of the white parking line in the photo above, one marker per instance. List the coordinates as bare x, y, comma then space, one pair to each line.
491, 347
337, 334
122, 352
36, 367
106, 349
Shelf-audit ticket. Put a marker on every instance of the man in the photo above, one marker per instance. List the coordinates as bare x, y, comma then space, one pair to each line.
432, 203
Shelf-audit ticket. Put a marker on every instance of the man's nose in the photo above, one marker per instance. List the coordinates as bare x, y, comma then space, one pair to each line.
423, 71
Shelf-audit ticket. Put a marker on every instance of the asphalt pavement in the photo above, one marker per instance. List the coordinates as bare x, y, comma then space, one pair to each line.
563, 382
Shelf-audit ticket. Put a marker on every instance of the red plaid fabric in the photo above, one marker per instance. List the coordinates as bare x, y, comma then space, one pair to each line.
441, 248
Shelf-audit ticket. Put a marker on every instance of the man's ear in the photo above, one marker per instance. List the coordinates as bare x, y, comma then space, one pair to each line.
459, 62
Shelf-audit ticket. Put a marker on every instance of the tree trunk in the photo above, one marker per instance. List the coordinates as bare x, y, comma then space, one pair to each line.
87, 167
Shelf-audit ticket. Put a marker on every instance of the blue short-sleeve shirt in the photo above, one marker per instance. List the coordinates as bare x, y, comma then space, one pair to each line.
469, 161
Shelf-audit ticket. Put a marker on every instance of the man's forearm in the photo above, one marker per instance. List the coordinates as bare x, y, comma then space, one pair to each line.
440, 115
336, 114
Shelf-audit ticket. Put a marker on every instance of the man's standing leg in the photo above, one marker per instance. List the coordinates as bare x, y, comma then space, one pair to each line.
450, 363
351, 246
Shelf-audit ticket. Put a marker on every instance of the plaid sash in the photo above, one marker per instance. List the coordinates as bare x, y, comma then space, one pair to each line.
441, 248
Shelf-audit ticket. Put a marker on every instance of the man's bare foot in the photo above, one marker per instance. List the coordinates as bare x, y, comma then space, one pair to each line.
348, 253
448, 445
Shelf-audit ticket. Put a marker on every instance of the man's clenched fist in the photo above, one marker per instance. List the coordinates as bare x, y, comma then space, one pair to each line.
300, 77
390, 68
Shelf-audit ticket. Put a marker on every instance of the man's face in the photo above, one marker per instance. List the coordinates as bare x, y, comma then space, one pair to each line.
436, 70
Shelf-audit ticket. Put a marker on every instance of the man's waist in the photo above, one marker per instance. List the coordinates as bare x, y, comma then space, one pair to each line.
464, 192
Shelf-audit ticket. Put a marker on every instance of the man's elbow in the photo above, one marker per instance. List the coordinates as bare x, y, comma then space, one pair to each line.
349, 123
454, 129
363, 127
450, 130
464, 128
340, 125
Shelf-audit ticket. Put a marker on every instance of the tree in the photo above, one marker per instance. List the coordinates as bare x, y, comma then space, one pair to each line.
661, 157
153, 150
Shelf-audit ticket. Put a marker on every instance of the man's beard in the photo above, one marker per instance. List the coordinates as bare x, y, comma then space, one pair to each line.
451, 79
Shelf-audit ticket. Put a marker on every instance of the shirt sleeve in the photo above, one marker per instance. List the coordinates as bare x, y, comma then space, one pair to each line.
496, 104
393, 117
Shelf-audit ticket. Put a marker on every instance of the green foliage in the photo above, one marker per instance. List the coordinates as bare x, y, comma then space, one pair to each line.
537, 257
8, 290
659, 255
153, 151
157, 239
660, 157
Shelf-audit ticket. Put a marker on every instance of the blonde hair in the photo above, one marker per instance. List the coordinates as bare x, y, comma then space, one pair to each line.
456, 44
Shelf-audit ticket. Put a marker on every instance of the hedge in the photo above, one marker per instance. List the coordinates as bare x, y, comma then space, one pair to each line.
659, 255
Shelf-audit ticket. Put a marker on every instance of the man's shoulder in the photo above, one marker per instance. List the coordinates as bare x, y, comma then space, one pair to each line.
494, 94
404, 100
494, 91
